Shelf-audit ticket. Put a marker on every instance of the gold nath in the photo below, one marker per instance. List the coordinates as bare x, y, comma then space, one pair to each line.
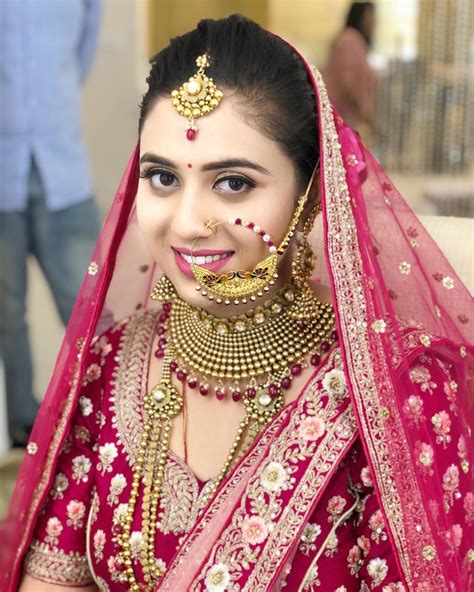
196, 97
238, 286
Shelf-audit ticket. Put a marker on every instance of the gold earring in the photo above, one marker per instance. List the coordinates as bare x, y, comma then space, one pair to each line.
164, 290
302, 267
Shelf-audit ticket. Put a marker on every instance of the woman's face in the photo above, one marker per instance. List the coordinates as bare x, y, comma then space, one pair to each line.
229, 171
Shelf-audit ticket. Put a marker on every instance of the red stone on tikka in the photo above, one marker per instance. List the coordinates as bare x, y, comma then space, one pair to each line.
191, 134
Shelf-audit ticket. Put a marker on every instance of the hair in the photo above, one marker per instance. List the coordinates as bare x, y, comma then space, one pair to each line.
269, 78
355, 18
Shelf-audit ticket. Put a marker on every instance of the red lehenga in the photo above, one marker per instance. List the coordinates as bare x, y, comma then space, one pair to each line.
363, 483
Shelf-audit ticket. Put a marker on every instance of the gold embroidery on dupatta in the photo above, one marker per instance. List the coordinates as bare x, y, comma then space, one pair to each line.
57, 567
345, 260
277, 521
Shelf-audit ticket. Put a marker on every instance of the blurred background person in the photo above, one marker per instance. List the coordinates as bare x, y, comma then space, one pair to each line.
46, 204
348, 75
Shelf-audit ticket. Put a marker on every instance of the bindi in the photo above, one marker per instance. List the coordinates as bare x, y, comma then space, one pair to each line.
190, 166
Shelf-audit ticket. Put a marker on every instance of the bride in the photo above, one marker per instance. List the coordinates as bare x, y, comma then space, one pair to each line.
290, 407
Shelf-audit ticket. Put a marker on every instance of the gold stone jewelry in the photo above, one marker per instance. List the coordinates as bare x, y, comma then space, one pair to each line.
301, 268
164, 290
196, 97
266, 347
238, 286
159, 408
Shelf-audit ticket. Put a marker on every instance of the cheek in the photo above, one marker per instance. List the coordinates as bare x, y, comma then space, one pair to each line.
151, 220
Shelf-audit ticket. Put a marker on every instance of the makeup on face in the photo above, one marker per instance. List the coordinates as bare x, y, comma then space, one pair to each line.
231, 171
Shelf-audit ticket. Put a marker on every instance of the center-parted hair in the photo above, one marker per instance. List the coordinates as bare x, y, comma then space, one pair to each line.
269, 78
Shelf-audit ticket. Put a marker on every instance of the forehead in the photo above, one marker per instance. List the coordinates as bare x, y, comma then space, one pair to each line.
222, 133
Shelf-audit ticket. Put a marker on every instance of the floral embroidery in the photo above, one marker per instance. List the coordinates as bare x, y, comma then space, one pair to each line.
336, 507
274, 477
413, 408
421, 376
117, 485
254, 530
82, 433
424, 457
450, 485
116, 569
377, 570
310, 534
462, 454
405, 267
85, 405
377, 526
312, 428
331, 545
107, 454
448, 283
379, 326
61, 483
334, 382
99, 544
76, 511
54, 529
93, 268
217, 578
469, 507
81, 467
394, 587
354, 559
136, 544
442, 426
364, 544
92, 373
102, 347
453, 537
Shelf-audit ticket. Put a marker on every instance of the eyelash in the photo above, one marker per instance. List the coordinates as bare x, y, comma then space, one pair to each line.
149, 173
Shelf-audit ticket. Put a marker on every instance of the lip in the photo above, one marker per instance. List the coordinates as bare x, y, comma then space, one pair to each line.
200, 253
185, 267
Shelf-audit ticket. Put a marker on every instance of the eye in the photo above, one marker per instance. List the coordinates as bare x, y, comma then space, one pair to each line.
235, 184
159, 178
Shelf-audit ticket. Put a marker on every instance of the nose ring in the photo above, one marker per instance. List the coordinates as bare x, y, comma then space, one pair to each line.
211, 225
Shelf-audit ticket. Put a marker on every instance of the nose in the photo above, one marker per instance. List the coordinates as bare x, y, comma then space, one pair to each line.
190, 216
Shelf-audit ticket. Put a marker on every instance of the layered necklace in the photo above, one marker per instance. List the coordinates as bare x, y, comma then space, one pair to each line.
251, 358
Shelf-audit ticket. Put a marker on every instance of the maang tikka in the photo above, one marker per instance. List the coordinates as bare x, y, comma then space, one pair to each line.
196, 97
238, 286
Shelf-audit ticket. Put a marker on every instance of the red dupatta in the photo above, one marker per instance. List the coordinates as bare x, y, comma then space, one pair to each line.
386, 274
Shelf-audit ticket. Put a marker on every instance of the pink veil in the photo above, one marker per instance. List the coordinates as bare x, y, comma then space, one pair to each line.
393, 291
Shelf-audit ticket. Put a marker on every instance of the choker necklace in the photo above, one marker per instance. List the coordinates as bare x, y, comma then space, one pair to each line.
253, 357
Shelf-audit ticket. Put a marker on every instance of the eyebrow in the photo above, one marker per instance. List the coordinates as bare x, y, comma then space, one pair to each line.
227, 163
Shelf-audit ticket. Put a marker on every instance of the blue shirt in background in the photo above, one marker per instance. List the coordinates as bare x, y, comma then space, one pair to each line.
46, 50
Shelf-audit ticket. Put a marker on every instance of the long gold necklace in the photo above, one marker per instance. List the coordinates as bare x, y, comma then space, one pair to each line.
266, 347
